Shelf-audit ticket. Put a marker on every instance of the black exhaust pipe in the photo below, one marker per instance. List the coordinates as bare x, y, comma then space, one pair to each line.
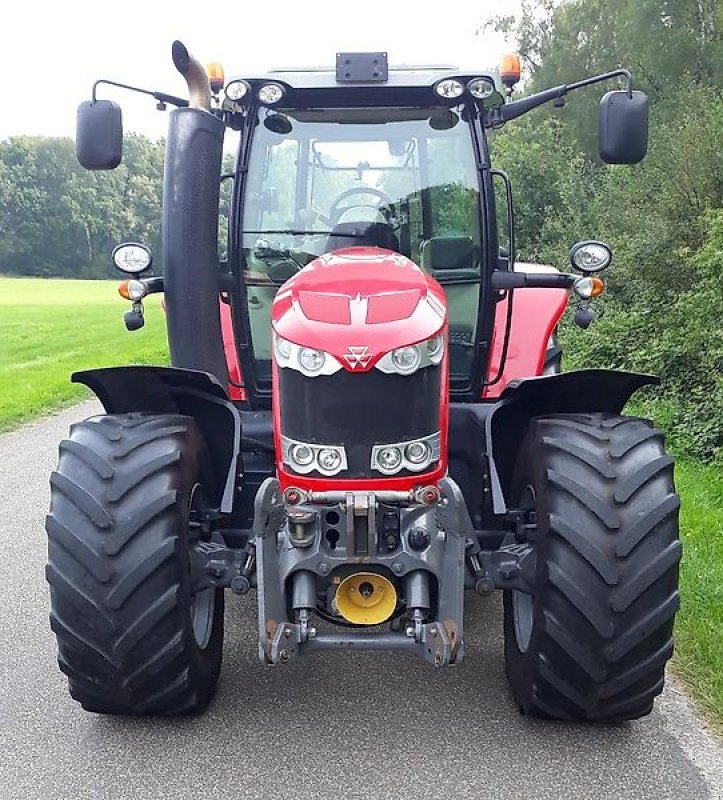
191, 184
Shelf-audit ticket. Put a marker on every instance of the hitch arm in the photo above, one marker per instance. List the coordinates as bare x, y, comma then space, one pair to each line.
510, 567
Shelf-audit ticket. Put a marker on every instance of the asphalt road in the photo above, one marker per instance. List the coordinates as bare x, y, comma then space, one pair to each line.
333, 725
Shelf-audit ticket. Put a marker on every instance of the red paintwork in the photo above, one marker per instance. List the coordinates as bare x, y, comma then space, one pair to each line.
229, 348
535, 313
360, 297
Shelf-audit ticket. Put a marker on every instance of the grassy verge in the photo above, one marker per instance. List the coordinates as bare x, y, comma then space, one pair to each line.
50, 328
699, 628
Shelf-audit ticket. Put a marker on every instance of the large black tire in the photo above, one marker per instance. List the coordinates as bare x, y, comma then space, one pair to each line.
593, 642
132, 638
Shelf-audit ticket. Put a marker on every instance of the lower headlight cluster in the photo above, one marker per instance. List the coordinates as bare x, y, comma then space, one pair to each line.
414, 456
303, 458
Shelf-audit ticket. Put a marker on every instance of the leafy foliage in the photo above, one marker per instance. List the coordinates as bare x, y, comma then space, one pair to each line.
58, 219
663, 310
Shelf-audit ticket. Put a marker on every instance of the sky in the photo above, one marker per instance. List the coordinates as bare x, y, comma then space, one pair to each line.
51, 52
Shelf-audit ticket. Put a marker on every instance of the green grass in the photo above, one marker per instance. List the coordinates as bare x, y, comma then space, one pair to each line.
699, 628
50, 328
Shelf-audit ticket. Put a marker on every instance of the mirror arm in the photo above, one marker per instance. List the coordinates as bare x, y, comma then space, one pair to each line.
519, 107
504, 279
624, 73
160, 96
154, 285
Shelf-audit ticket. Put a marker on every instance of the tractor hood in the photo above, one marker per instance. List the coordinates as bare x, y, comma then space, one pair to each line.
359, 303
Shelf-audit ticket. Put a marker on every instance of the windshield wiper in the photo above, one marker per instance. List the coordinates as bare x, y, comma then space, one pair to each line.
295, 232
292, 232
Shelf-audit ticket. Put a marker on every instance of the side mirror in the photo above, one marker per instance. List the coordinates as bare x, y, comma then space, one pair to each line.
623, 127
99, 135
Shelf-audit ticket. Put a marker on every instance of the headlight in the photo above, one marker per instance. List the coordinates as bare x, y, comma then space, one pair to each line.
417, 452
414, 456
329, 460
301, 454
237, 90
435, 348
480, 88
270, 94
132, 258
303, 457
283, 349
407, 360
449, 88
389, 459
590, 257
306, 360
311, 360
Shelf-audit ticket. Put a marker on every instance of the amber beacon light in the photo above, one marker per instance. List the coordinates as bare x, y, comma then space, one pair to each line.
215, 77
510, 70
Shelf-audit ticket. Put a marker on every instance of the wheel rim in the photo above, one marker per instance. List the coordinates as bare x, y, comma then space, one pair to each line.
523, 604
203, 602
203, 605
523, 610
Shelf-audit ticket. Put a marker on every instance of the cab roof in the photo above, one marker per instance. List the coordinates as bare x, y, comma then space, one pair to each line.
324, 87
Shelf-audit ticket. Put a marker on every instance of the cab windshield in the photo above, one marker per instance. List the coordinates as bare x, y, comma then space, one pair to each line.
402, 179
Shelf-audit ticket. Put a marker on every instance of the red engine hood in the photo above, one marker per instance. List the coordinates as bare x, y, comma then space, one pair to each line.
359, 301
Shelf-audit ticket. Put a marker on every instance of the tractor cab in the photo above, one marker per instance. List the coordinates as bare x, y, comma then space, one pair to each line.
402, 179
395, 158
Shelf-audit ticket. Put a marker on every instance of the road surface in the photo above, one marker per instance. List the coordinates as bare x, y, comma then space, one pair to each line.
361, 726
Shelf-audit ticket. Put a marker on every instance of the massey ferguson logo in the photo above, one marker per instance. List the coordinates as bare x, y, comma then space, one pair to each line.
357, 357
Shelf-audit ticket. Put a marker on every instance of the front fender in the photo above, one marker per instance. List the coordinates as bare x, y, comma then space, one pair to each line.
535, 315
170, 390
578, 392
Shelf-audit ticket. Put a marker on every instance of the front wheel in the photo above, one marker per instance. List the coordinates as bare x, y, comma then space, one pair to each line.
592, 642
133, 637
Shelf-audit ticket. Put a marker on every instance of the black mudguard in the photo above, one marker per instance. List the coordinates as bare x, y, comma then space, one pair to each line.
170, 390
579, 392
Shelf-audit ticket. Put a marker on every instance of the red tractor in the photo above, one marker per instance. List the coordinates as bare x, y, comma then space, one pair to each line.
364, 416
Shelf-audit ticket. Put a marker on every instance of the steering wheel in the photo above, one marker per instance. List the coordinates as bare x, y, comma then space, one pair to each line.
337, 209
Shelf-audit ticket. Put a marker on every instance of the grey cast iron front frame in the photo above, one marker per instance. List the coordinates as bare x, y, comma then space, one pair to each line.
439, 641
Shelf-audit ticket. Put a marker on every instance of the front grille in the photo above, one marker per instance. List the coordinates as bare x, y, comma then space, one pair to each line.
359, 410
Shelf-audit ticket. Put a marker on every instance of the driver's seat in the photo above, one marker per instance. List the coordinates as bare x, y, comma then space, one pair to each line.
355, 234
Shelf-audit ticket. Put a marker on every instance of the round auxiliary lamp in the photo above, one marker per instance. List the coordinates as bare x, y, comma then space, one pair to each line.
590, 257
132, 258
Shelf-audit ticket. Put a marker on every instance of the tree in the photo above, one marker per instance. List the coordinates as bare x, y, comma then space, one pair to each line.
663, 306
59, 219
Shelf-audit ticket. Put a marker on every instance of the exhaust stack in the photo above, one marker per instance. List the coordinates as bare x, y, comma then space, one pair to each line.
190, 226
199, 89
